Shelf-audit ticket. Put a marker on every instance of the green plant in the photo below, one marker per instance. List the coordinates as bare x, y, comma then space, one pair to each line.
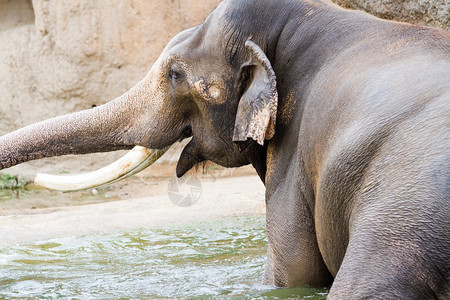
8, 181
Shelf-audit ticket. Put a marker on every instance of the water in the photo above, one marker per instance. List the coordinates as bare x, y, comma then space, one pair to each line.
215, 259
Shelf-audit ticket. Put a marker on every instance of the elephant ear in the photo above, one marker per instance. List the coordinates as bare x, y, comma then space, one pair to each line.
257, 109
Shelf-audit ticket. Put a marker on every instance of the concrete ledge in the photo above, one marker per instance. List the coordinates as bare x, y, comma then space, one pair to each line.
236, 196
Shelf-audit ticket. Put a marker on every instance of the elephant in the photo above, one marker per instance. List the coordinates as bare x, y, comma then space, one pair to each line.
344, 117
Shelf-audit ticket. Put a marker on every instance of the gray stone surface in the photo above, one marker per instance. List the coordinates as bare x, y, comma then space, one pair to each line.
421, 12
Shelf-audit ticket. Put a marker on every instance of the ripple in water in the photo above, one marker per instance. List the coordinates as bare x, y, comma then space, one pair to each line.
222, 258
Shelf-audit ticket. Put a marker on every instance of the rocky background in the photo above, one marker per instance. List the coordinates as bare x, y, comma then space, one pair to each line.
59, 56
421, 12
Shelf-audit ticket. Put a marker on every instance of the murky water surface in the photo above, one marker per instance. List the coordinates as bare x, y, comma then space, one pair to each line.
220, 259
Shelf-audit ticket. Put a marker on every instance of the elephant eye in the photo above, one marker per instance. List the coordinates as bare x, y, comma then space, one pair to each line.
174, 74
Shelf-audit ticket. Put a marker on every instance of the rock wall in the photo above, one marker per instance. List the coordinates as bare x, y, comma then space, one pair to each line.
59, 56
421, 12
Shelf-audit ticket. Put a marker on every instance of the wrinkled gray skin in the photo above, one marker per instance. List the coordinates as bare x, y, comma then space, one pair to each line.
353, 115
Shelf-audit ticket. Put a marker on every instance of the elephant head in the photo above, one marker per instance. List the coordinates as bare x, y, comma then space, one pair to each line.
212, 83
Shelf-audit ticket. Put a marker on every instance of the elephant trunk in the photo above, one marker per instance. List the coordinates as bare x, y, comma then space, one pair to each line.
137, 118
93, 130
112, 126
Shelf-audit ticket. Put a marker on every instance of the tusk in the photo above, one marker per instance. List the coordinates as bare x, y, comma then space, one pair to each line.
133, 162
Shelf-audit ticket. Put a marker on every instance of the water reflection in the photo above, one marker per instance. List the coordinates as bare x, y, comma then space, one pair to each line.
222, 258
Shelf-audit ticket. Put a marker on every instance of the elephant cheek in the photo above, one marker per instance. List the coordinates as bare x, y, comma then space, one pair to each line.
188, 158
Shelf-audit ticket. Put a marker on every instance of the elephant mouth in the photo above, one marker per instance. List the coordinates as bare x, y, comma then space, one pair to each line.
191, 154
187, 133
